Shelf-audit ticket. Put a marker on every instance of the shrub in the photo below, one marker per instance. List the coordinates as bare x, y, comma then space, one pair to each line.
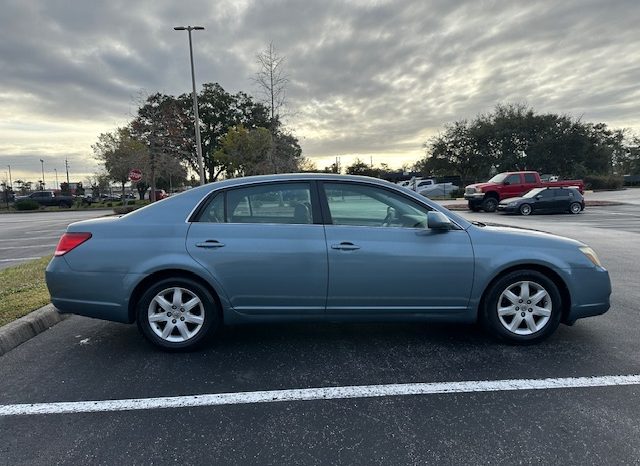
596, 182
121, 210
109, 204
27, 204
457, 193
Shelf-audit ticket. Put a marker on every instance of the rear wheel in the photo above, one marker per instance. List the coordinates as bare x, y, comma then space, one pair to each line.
575, 208
525, 209
490, 204
523, 307
177, 314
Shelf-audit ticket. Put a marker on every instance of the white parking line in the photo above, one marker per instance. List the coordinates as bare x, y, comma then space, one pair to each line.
30, 247
32, 238
20, 259
323, 393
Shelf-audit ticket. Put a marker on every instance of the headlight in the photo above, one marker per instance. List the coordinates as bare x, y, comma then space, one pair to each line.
478, 190
591, 255
511, 204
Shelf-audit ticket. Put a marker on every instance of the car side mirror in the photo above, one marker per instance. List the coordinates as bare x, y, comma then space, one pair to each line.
538, 197
438, 221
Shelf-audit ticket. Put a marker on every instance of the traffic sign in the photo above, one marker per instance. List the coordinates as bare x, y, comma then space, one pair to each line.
135, 175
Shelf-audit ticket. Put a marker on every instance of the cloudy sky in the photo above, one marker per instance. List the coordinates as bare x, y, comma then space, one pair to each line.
367, 78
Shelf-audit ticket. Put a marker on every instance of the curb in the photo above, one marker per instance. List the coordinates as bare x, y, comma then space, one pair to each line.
17, 332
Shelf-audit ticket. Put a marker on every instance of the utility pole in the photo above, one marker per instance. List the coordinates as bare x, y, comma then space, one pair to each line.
42, 164
66, 164
195, 99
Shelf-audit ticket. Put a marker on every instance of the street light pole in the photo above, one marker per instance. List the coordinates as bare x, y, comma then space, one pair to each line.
56, 171
195, 99
42, 164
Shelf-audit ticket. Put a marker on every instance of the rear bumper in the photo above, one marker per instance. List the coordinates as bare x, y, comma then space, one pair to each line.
91, 294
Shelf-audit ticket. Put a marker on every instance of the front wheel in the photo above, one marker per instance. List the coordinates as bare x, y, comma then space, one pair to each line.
575, 208
490, 204
177, 314
525, 209
523, 307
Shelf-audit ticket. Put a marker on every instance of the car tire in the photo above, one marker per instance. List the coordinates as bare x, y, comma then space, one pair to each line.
525, 209
575, 208
490, 204
503, 313
177, 314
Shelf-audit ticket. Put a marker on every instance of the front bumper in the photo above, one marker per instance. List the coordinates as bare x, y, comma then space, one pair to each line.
590, 293
474, 196
507, 209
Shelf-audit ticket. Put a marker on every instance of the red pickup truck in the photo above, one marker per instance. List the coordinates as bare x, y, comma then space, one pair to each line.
486, 196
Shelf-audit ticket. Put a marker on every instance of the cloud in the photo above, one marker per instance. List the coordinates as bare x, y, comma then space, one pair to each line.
366, 78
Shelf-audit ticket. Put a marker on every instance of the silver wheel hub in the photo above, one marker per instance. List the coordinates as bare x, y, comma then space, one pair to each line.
524, 308
176, 314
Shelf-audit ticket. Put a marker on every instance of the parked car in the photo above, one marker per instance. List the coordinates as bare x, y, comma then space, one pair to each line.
318, 248
109, 197
545, 200
160, 194
48, 199
439, 189
486, 196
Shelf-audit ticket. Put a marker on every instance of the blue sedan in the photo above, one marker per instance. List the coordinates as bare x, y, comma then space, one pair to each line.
310, 247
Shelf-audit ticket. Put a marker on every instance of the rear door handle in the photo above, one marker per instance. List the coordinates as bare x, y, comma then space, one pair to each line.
345, 246
211, 244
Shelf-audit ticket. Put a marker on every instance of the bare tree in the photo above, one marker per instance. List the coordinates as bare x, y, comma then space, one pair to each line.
272, 81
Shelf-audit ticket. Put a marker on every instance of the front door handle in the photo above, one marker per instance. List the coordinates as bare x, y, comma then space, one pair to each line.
345, 246
210, 243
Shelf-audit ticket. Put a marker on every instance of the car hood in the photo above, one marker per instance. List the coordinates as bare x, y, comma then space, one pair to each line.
514, 236
511, 199
481, 185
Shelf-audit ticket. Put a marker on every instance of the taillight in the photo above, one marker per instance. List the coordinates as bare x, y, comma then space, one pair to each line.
70, 241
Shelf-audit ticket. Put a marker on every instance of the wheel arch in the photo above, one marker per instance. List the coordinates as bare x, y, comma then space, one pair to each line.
140, 288
565, 295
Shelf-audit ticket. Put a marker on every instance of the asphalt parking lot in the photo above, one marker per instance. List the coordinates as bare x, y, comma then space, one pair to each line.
26, 236
83, 360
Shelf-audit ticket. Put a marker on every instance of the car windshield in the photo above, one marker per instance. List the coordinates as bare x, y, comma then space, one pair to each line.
499, 178
534, 192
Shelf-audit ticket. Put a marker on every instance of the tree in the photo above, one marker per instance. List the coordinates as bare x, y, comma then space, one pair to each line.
219, 112
514, 137
99, 184
119, 152
164, 127
272, 82
245, 151
358, 167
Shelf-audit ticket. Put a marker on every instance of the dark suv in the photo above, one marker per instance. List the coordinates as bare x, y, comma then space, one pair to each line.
545, 200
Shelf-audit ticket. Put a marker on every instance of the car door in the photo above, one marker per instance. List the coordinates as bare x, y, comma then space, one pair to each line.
384, 261
264, 248
561, 200
512, 186
545, 201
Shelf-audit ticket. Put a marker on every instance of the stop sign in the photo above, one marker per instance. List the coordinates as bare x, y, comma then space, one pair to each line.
135, 175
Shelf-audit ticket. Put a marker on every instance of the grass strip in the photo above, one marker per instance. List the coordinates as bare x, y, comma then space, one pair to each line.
23, 289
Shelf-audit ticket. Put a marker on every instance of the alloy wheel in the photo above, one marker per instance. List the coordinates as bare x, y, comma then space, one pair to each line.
176, 314
524, 308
